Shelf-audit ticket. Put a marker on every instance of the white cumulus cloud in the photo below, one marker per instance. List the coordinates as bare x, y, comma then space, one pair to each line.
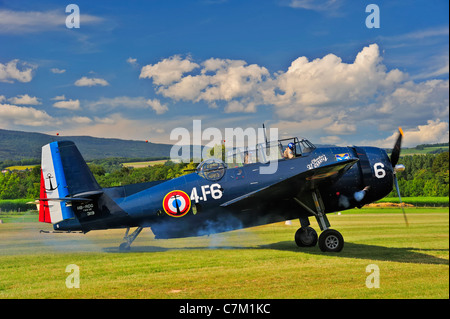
328, 80
316, 5
24, 99
218, 80
21, 115
79, 120
324, 95
321, 82
132, 61
168, 70
58, 98
10, 71
85, 81
68, 104
156, 105
418, 100
57, 71
435, 131
432, 132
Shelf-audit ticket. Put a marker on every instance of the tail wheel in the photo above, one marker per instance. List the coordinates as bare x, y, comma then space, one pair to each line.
306, 237
124, 247
331, 240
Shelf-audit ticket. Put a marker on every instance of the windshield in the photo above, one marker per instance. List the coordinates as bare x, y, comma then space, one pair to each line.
301, 146
306, 146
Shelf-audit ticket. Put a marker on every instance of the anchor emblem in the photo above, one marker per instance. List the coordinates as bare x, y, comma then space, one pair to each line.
49, 177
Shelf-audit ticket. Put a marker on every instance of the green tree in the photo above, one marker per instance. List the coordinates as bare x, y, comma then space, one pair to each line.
10, 186
440, 163
97, 169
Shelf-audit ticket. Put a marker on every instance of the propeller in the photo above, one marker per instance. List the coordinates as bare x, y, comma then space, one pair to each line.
395, 155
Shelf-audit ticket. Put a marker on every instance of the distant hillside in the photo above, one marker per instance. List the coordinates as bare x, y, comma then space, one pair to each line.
16, 145
424, 149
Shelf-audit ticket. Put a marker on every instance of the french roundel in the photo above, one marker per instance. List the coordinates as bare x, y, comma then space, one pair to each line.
176, 203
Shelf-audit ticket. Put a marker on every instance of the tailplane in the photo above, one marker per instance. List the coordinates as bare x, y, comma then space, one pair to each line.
65, 178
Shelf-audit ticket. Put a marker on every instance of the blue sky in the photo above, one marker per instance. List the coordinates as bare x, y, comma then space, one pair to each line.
139, 69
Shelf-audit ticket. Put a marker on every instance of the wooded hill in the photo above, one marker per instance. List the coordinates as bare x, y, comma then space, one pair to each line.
16, 145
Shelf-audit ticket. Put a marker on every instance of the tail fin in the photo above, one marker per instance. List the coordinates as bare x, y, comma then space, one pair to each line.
65, 175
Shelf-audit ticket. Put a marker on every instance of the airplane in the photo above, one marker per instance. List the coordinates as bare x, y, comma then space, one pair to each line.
218, 197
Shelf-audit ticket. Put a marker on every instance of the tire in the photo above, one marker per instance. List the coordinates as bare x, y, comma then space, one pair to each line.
306, 237
331, 241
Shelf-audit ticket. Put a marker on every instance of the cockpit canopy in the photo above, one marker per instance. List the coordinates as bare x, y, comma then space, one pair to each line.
213, 169
265, 152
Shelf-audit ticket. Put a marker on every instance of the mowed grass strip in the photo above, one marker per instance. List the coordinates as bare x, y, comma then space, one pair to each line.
261, 262
144, 164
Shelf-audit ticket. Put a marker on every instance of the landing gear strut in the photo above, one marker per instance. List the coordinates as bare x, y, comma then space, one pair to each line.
329, 240
128, 239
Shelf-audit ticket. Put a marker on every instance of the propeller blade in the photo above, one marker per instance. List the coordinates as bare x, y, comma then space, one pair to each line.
396, 150
400, 198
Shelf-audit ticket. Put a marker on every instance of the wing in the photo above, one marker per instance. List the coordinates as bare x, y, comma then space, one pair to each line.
288, 188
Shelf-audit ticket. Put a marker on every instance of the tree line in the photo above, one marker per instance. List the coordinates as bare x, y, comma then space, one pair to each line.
26, 183
424, 175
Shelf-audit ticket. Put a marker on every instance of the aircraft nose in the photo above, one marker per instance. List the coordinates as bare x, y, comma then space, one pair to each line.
376, 172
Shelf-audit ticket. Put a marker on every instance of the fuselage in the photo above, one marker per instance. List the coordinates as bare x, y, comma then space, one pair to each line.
143, 205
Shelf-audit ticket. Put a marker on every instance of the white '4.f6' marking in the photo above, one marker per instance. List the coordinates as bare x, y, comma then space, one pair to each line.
215, 191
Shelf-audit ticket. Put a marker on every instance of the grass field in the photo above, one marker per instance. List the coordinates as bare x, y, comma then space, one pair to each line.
425, 150
144, 164
261, 262
20, 167
130, 164
419, 201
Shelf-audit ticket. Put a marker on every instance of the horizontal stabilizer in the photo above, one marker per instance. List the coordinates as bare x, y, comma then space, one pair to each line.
66, 199
95, 193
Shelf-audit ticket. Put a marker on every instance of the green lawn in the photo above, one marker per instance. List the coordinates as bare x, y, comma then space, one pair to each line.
425, 150
144, 164
20, 167
419, 201
261, 262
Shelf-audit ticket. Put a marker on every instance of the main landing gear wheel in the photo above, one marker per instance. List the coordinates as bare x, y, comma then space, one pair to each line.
331, 240
306, 237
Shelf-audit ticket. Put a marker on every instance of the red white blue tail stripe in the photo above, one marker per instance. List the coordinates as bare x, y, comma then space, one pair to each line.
53, 186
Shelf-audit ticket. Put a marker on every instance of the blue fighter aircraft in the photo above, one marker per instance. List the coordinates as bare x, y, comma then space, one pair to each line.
219, 197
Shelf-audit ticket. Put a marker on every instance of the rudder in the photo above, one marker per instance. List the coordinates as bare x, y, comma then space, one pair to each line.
65, 175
